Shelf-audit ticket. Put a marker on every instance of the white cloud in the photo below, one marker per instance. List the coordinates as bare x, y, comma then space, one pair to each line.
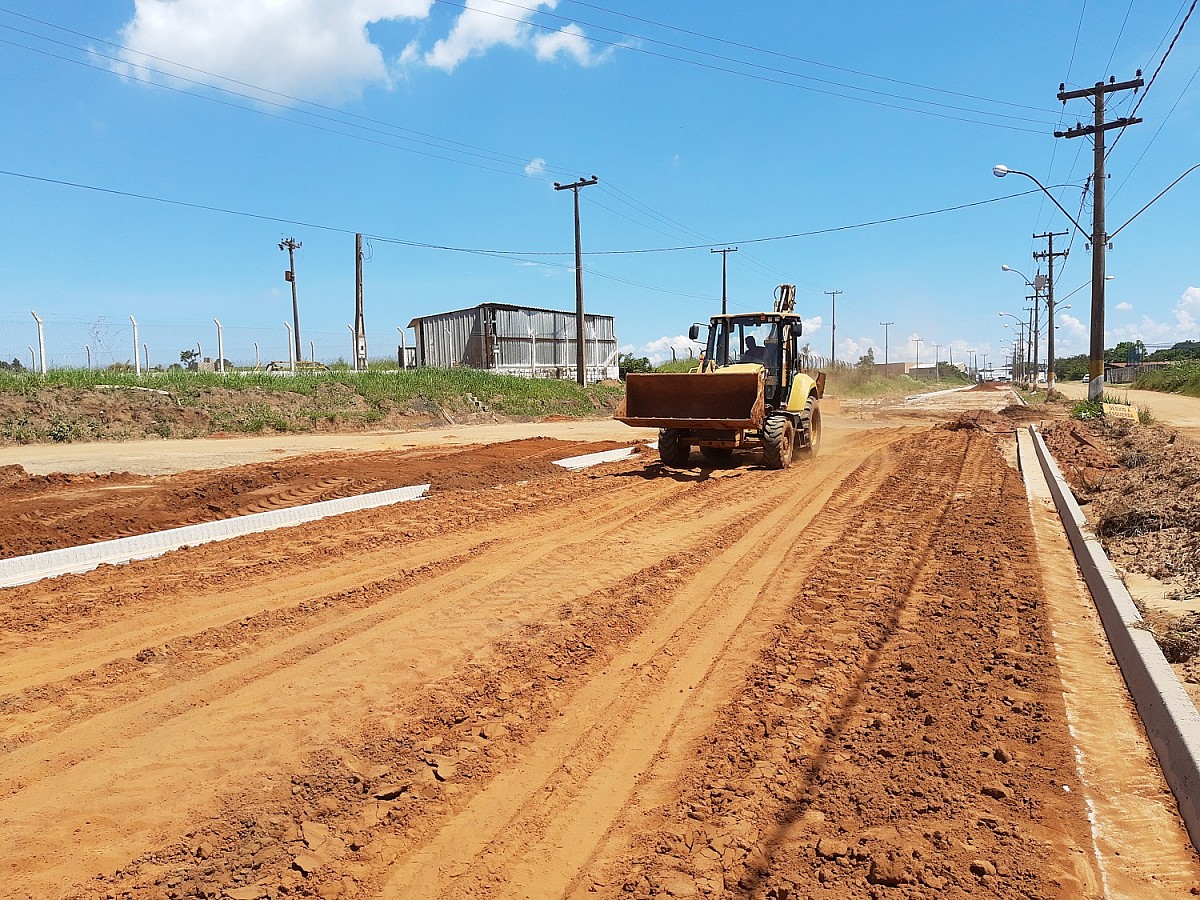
484, 24
568, 42
1185, 324
659, 350
1123, 307
536, 166
307, 48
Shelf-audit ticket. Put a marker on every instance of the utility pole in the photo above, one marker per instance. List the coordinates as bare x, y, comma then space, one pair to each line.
580, 346
291, 245
1099, 235
1029, 348
885, 344
360, 325
1049, 255
917, 367
833, 326
937, 353
724, 256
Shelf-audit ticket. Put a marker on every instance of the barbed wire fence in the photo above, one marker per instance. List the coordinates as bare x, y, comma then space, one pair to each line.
44, 343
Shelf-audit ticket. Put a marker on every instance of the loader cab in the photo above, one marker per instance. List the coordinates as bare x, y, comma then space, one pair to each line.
766, 339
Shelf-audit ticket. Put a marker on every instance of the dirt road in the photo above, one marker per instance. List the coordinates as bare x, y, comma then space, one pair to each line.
837, 680
1181, 412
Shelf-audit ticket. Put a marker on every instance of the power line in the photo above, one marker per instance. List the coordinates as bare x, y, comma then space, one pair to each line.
424, 245
1150, 83
497, 155
800, 59
765, 78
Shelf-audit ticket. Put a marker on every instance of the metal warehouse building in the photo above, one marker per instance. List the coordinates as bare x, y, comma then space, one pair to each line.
517, 340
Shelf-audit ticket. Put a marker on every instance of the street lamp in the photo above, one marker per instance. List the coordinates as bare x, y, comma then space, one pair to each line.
1099, 240
1039, 282
1022, 338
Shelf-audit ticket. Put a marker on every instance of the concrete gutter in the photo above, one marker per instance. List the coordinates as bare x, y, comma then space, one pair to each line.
36, 566
1170, 717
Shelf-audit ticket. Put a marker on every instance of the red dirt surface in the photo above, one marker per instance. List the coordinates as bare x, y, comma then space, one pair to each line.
46, 512
837, 680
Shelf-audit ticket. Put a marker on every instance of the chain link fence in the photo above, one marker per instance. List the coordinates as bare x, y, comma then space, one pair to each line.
41, 343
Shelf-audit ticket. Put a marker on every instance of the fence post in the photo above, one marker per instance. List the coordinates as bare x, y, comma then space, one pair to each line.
403, 349
257, 358
220, 348
137, 360
291, 349
87, 348
146, 353
41, 343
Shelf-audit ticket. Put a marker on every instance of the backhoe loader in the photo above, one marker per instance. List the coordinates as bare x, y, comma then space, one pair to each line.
748, 391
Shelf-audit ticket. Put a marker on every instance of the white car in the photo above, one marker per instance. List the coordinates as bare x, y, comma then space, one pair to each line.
1087, 378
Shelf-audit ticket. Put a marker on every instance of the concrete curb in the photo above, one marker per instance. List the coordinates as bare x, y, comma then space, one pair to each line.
574, 463
36, 566
1171, 720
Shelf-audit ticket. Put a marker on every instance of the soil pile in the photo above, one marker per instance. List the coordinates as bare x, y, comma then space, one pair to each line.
47, 512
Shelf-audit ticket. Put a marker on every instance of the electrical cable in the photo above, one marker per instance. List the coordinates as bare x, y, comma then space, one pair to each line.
768, 79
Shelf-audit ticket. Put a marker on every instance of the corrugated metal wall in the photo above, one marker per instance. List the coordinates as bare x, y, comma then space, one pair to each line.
518, 341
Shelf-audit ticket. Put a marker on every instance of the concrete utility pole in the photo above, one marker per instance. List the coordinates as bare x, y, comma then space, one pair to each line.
885, 344
724, 256
917, 366
580, 347
833, 327
1049, 255
1099, 235
291, 245
937, 361
360, 325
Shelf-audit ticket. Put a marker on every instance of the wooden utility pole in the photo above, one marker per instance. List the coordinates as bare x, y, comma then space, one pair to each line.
833, 327
885, 344
724, 256
1049, 255
580, 346
291, 245
360, 325
1099, 235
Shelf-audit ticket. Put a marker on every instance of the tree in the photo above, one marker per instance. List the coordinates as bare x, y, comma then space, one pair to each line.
1126, 352
867, 360
187, 357
627, 362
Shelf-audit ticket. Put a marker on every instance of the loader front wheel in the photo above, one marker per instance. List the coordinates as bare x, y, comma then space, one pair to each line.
673, 450
778, 438
811, 417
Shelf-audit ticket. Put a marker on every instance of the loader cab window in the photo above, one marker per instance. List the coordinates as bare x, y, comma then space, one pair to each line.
737, 341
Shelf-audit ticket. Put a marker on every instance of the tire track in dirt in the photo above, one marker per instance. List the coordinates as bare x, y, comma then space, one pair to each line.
458, 621
908, 743
530, 831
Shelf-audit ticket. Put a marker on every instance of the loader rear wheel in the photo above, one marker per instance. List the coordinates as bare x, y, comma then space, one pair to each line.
673, 450
778, 438
811, 417
716, 454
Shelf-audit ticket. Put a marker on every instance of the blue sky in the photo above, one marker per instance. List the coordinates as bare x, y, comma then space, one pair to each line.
708, 125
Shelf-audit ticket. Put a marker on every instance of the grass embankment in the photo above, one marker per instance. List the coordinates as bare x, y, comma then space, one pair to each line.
1182, 378
73, 405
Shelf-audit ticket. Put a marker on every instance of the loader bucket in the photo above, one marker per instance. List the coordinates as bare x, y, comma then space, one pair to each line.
722, 400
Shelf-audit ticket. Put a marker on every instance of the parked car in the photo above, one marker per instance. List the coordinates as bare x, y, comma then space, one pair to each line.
1087, 378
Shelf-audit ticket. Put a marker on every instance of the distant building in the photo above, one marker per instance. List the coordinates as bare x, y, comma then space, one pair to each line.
517, 340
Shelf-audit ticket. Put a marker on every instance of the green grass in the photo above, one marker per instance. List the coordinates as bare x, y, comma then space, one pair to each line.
866, 383
1183, 378
333, 394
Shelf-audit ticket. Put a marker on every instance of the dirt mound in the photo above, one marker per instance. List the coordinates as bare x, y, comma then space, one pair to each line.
979, 420
1139, 484
990, 386
46, 512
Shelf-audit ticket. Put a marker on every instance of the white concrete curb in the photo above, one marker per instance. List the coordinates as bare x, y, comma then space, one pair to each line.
915, 397
36, 566
575, 463
1171, 720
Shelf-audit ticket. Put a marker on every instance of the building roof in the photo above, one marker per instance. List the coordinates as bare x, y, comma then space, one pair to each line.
513, 306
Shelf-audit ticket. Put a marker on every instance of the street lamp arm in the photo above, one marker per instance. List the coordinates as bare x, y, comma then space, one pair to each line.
1001, 171
1155, 200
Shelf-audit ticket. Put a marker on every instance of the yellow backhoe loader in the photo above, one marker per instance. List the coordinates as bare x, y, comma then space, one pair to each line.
748, 391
